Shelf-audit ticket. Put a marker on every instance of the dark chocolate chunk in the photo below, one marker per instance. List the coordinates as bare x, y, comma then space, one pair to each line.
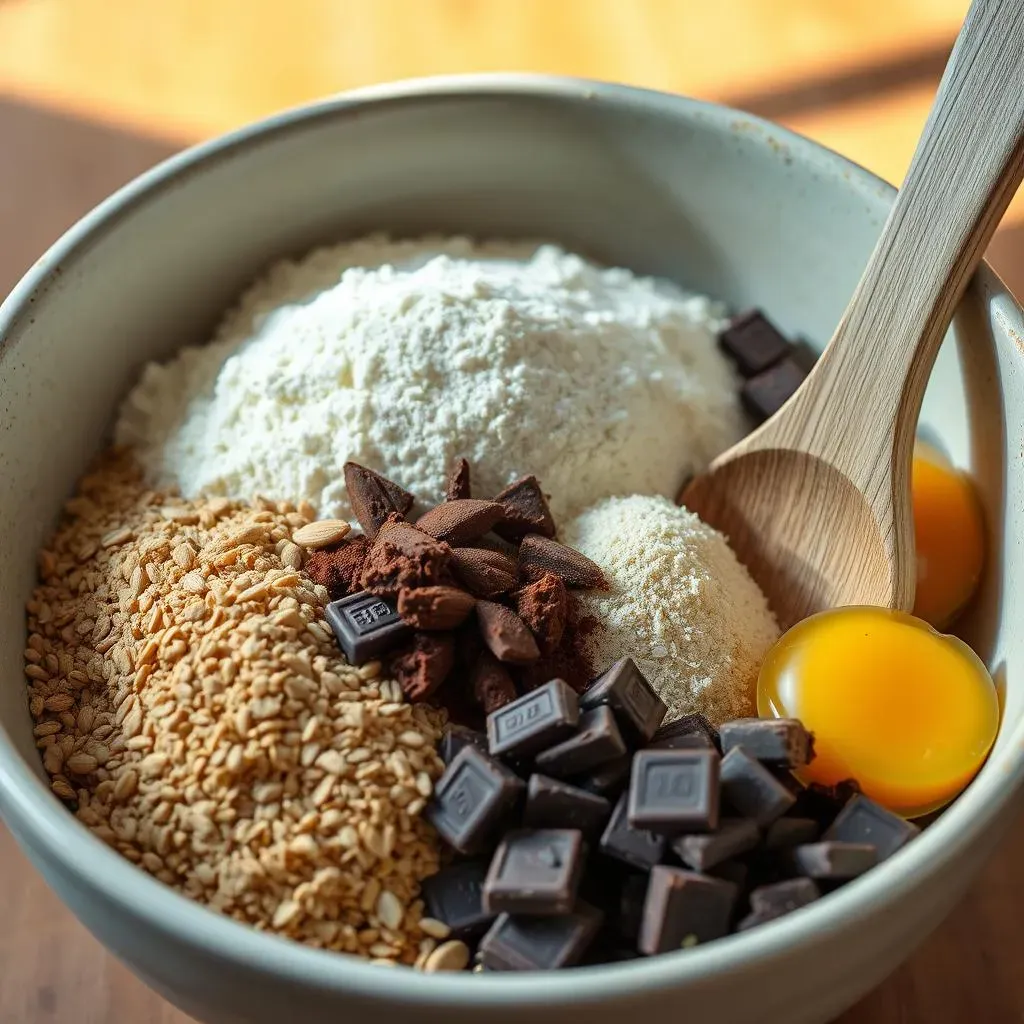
674, 791
490, 683
732, 837
864, 821
458, 481
754, 342
735, 871
764, 395
534, 721
551, 803
483, 572
823, 803
686, 733
505, 634
632, 896
596, 741
461, 521
783, 742
434, 608
526, 510
540, 943
458, 736
636, 846
770, 902
455, 896
373, 497
544, 606
623, 687
751, 790
682, 909
365, 626
424, 665
535, 871
608, 780
788, 832
471, 798
538, 555
833, 860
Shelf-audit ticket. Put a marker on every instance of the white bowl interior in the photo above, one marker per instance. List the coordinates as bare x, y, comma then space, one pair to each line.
721, 203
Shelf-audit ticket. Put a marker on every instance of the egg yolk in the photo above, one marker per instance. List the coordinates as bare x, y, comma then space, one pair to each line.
949, 537
908, 712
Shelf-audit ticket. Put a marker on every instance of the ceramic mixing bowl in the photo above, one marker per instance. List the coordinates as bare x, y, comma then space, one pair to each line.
720, 201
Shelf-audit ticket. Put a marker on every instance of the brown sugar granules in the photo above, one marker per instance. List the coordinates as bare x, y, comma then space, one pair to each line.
191, 706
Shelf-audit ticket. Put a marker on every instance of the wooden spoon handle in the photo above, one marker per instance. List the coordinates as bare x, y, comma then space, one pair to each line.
868, 385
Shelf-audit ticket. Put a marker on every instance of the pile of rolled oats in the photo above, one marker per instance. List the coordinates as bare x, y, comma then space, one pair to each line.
193, 709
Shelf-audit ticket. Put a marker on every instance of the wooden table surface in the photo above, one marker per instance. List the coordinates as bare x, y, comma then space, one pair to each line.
94, 91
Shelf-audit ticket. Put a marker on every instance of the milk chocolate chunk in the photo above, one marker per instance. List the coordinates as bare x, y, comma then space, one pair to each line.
483, 572
788, 832
455, 896
538, 555
834, 860
433, 608
373, 497
526, 510
458, 481
540, 943
637, 847
460, 521
638, 709
682, 909
534, 721
596, 741
764, 395
458, 736
751, 790
471, 798
338, 568
365, 626
535, 871
490, 683
864, 821
770, 902
403, 557
753, 342
544, 606
734, 836
424, 665
674, 791
783, 742
551, 803
686, 733
505, 634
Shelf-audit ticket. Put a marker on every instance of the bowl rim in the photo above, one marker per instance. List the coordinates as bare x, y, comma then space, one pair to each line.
41, 823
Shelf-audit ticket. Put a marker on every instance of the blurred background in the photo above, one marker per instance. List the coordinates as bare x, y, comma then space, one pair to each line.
94, 91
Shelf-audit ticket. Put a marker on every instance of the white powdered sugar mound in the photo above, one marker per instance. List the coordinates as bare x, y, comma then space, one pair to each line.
404, 355
679, 604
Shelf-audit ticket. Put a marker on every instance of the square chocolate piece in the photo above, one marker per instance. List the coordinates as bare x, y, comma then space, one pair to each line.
366, 626
683, 909
764, 395
534, 721
540, 943
608, 780
864, 821
789, 832
471, 798
638, 709
687, 733
674, 791
596, 741
455, 895
458, 736
535, 871
751, 790
782, 742
551, 803
770, 902
635, 846
834, 860
754, 342
733, 837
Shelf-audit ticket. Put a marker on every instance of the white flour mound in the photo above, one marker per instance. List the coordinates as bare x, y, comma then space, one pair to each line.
405, 355
680, 605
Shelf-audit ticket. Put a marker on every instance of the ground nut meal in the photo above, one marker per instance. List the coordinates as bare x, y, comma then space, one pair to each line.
411, 706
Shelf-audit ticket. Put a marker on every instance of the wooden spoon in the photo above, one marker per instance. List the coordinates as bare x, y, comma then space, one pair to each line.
816, 501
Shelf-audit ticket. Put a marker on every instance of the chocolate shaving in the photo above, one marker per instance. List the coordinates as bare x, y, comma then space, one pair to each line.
505, 634
403, 557
373, 497
491, 683
458, 482
483, 572
435, 607
544, 605
526, 510
540, 555
462, 520
424, 665
339, 568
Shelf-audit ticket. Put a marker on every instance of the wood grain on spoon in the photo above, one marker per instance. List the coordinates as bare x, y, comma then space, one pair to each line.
816, 502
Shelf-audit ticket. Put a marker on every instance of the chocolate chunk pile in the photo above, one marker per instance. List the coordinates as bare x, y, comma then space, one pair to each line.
472, 594
771, 364
585, 831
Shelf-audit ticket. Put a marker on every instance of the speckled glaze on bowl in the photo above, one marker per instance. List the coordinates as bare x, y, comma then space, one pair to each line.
720, 201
